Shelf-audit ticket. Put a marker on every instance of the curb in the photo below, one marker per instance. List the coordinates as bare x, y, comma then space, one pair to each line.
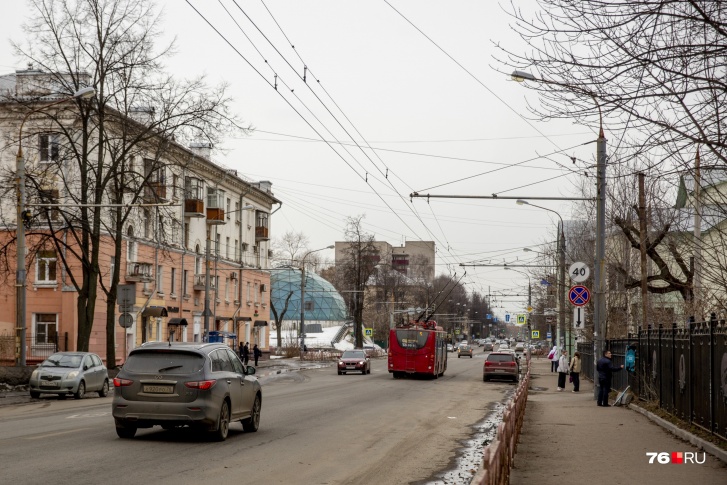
717, 452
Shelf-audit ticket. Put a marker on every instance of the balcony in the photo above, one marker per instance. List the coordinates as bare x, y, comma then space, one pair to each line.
139, 272
193, 208
155, 192
199, 282
261, 233
215, 216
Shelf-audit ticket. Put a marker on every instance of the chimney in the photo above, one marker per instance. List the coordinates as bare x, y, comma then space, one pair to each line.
203, 149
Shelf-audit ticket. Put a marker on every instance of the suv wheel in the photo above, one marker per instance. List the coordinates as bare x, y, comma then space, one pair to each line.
223, 425
125, 432
252, 423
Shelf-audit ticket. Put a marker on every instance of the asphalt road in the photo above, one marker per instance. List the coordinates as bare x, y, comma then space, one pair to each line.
316, 428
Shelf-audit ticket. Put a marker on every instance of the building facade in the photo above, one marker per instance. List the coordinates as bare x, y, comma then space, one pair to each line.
193, 235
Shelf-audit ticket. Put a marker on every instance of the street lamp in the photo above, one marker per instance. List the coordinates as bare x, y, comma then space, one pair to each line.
599, 300
302, 294
561, 269
20, 274
207, 311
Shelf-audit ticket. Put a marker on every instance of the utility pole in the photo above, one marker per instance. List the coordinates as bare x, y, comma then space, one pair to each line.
599, 314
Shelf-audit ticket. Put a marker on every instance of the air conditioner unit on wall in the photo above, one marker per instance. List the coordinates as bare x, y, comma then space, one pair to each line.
263, 288
233, 276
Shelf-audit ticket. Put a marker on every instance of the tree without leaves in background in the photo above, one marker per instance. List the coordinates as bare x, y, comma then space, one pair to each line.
656, 71
354, 269
111, 43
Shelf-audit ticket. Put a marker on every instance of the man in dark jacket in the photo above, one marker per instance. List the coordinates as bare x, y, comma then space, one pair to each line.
246, 353
256, 352
605, 368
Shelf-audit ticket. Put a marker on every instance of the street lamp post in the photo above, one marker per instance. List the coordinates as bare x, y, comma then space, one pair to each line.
302, 295
20, 273
560, 286
599, 300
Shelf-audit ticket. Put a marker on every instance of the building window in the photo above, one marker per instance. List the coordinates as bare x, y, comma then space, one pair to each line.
46, 325
237, 250
227, 208
173, 286
227, 248
160, 280
217, 245
249, 300
197, 261
175, 183
46, 263
237, 213
235, 290
185, 276
227, 289
50, 148
255, 294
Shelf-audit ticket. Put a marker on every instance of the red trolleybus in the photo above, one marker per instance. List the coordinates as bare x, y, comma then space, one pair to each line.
417, 348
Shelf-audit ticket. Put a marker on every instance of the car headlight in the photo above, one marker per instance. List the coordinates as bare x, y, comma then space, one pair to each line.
72, 375
340, 362
361, 363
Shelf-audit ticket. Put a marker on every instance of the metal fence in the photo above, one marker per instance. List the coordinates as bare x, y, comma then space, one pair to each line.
37, 348
683, 369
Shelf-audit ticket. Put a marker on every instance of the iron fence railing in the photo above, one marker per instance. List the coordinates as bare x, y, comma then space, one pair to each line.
683, 369
37, 348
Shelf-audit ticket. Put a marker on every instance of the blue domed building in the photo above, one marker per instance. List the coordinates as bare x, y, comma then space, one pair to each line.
325, 310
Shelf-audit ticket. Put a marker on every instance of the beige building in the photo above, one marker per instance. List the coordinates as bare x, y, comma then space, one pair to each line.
414, 259
180, 201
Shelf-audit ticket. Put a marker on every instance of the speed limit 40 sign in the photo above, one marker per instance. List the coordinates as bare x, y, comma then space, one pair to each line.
579, 272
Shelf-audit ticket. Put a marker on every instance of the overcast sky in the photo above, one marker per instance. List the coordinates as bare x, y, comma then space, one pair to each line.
412, 79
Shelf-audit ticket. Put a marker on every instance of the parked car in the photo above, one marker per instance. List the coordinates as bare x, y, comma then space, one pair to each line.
65, 373
464, 349
501, 365
450, 348
354, 361
201, 385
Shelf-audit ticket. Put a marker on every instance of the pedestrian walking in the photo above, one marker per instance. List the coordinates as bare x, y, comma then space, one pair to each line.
605, 369
256, 353
553, 358
562, 369
246, 353
575, 371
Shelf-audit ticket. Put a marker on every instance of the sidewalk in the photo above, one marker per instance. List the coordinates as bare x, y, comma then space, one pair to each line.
567, 439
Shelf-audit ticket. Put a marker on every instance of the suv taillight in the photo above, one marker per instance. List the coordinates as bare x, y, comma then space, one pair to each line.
122, 382
201, 385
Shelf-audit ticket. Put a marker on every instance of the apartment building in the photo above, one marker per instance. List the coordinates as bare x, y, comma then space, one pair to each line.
186, 234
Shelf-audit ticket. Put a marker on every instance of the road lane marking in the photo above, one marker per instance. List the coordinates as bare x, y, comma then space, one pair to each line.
55, 434
89, 415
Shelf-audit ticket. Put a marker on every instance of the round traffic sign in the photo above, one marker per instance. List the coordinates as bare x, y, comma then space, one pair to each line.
579, 295
579, 272
125, 320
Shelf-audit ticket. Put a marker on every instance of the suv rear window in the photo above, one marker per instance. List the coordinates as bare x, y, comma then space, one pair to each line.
500, 358
164, 361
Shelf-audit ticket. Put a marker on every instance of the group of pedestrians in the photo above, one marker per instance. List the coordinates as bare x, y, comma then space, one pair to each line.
559, 363
245, 352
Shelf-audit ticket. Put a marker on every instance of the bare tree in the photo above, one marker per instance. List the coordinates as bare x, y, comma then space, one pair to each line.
290, 247
355, 269
110, 45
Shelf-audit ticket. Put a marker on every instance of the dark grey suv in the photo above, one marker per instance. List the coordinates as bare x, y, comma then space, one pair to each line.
201, 385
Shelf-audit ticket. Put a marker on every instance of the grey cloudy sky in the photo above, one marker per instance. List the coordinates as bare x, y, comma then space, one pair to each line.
413, 80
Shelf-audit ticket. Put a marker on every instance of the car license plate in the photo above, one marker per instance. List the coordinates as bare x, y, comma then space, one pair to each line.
50, 383
159, 389
350, 367
499, 370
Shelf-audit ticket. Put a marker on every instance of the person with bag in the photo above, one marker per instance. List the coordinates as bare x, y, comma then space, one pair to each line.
575, 371
562, 369
553, 358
